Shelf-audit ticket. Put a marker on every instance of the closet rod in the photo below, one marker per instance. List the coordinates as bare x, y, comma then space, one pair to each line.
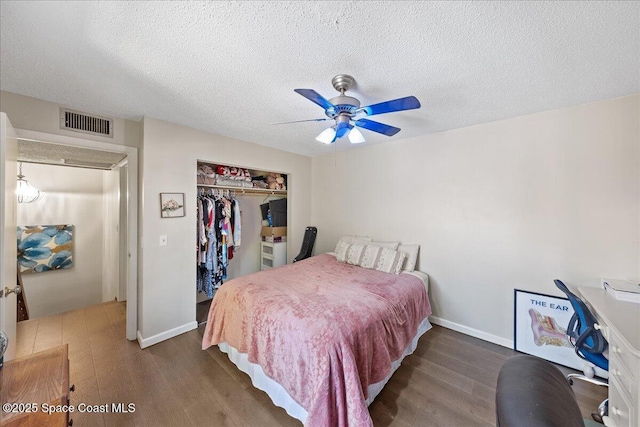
247, 191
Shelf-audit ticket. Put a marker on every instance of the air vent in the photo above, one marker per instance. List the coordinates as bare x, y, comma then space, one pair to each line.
82, 122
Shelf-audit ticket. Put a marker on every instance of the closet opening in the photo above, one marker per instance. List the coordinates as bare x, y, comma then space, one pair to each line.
242, 226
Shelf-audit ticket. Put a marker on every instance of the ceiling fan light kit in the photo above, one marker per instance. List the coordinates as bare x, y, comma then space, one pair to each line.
327, 136
347, 113
355, 136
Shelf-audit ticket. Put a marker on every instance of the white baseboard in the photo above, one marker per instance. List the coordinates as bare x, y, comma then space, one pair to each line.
472, 332
155, 339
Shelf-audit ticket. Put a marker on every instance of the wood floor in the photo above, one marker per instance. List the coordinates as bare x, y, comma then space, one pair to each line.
202, 311
449, 381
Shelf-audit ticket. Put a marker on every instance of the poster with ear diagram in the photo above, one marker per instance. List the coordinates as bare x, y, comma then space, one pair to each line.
541, 328
45, 248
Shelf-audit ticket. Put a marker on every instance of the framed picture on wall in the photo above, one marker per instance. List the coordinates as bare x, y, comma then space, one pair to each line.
540, 328
45, 248
171, 205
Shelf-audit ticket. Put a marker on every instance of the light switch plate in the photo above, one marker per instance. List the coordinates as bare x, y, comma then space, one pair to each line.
163, 240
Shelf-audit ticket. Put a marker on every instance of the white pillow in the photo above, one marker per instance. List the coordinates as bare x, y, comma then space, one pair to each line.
341, 250
370, 256
350, 240
355, 239
390, 261
354, 254
411, 252
388, 245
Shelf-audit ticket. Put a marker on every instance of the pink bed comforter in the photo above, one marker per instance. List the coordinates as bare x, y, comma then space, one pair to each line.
323, 329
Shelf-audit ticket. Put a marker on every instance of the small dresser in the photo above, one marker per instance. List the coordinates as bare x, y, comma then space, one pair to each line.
41, 378
272, 255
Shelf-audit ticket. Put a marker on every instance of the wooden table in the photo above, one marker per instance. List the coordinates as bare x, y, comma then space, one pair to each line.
31, 384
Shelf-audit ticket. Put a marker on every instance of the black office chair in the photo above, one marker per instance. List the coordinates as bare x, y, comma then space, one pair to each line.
307, 244
532, 392
588, 342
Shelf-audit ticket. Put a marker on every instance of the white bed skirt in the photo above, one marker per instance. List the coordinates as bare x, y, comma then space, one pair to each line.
279, 395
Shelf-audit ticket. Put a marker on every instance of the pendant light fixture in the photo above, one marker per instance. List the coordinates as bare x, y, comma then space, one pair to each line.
26, 192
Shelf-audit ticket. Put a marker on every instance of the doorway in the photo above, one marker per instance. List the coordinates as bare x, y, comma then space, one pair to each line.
75, 219
119, 181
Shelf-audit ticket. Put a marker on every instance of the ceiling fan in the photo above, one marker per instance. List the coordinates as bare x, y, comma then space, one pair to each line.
348, 115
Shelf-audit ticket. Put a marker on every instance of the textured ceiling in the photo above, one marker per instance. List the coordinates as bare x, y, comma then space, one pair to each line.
230, 67
64, 155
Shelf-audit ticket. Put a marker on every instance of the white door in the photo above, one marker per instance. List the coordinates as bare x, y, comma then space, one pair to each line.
8, 222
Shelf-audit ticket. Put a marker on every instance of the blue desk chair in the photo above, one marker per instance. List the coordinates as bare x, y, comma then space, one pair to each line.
588, 343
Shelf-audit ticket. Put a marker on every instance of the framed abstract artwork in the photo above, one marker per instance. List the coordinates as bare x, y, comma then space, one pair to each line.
45, 248
171, 205
540, 328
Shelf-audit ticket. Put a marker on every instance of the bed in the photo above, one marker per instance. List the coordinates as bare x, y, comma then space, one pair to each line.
321, 337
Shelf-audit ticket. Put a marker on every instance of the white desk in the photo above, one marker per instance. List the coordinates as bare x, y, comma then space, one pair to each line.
620, 324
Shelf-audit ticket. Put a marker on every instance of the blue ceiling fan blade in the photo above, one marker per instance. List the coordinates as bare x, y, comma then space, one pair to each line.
400, 104
342, 129
314, 96
377, 127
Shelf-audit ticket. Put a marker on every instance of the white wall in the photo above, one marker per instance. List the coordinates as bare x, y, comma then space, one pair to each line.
72, 196
169, 162
111, 234
509, 204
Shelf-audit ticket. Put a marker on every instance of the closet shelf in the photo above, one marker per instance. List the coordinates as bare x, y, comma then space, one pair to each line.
241, 190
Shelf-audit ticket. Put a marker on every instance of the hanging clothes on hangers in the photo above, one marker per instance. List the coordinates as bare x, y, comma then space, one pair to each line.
218, 228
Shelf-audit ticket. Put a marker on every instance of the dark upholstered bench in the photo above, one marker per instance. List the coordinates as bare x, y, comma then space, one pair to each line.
532, 392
